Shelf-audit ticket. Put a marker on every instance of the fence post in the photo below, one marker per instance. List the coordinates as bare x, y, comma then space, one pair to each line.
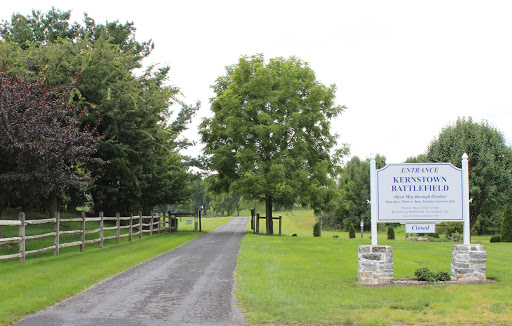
163, 215
253, 213
140, 225
159, 219
101, 229
257, 223
82, 235
21, 233
200, 228
130, 230
280, 223
151, 224
118, 226
195, 221
57, 230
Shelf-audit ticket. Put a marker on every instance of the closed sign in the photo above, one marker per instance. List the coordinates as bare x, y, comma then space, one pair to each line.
420, 228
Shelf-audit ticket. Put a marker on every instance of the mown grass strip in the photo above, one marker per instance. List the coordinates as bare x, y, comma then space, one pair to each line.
302, 280
45, 280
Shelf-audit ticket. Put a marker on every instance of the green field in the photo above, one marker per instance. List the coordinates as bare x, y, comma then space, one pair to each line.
284, 280
306, 280
299, 221
45, 280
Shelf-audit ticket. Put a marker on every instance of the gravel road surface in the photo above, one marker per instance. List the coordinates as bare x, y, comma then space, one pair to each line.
191, 285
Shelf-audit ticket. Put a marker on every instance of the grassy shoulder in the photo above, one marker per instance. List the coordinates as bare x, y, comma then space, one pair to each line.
45, 280
303, 280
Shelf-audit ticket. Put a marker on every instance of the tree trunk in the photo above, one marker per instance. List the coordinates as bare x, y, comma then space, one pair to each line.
53, 204
2, 214
268, 212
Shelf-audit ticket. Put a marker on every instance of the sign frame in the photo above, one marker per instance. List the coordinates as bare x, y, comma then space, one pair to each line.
374, 194
420, 193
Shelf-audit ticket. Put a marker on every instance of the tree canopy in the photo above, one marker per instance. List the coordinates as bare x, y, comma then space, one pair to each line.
42, 147
490, 162
140, 145
270, 137
351, 205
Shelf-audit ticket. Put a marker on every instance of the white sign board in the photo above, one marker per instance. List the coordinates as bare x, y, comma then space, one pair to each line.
189, 222
420, 228
419, 192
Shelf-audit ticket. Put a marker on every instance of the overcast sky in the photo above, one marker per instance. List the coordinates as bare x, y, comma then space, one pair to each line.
404, 69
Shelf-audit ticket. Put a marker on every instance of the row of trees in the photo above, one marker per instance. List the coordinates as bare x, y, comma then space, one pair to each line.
211, 202
82, 120
270, 141
129, 158
490, 174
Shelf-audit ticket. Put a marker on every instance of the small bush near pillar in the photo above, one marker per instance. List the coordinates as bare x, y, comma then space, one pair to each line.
391, 233
316, 229
496, 238
506, 226
425, 274
351, 231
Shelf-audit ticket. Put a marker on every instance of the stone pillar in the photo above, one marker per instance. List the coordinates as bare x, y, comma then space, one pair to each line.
468, 263
375, 265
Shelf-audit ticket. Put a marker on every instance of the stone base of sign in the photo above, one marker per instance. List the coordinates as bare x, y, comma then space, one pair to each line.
415, 282
375, 265
468, 263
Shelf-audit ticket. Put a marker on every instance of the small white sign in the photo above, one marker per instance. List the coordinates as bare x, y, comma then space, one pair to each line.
189, 222
420, 228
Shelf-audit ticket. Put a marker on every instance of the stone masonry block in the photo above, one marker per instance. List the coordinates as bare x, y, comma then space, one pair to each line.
375, 265
379, 249
364, 249
377, 257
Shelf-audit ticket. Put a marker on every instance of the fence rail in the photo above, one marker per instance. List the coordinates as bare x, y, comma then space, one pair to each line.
155, 223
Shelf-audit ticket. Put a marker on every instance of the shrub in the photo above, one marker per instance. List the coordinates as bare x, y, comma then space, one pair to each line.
457, 237
452, 228
506, 226
433, 235
391, 233
351, 231
425, 274
316, 230
443, 276
496, 238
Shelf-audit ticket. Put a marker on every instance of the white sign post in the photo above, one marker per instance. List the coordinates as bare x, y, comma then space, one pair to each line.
373, 200
420, 193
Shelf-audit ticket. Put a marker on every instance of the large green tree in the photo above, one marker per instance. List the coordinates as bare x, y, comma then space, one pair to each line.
132, 110
270, 137
42, 147
352, 204
490, 162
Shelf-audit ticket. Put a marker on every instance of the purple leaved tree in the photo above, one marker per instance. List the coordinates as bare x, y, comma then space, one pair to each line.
43, 146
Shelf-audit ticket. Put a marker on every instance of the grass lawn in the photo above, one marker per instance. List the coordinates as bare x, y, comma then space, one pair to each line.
305, 280
45, 280
299, 221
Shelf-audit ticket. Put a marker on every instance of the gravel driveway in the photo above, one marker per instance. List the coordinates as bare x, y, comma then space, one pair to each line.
191, 285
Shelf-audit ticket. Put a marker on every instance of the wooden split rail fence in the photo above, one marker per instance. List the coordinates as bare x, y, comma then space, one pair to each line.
156, 223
